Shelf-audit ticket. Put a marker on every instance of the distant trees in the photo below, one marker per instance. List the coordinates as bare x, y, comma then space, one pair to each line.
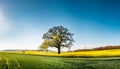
57, 37
99, 48
107, 48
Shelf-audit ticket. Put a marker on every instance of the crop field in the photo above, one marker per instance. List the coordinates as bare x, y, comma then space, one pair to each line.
97, 53
28, 61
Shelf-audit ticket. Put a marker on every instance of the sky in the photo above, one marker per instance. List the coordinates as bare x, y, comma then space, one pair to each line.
94, 23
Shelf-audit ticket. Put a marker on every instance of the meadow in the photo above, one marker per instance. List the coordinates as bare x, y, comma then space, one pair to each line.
23, 61
101, 59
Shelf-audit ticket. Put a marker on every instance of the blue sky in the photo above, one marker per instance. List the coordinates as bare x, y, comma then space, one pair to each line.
94, 22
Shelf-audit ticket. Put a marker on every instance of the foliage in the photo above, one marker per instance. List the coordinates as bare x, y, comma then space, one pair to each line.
99, 48
107, 48
45, 45
58, 37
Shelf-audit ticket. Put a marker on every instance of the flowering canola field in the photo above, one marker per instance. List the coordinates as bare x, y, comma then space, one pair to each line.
97, 53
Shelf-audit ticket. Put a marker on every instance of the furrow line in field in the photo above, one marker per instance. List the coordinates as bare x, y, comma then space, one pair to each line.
6, 62
19, 66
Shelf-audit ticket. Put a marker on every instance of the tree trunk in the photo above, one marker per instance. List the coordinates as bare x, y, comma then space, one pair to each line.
58, 49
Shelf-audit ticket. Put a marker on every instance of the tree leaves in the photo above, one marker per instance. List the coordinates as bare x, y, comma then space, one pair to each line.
57, 37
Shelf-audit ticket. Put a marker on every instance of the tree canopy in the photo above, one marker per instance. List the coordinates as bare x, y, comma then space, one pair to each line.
58, 37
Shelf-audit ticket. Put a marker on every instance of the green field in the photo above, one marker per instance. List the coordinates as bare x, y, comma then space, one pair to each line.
19, 61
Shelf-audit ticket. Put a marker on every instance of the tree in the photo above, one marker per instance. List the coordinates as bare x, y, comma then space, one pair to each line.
45, 45
58, 37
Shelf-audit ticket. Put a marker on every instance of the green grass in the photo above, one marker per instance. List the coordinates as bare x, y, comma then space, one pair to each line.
19, 61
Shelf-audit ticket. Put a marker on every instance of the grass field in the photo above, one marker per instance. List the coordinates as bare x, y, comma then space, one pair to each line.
23, 61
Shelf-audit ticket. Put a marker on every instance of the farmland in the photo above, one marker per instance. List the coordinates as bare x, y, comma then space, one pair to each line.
96, 53
50, 60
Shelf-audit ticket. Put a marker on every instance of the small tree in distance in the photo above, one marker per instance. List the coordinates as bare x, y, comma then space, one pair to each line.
57, 37
44, 45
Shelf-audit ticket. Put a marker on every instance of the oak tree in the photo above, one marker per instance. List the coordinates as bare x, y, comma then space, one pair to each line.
58, 37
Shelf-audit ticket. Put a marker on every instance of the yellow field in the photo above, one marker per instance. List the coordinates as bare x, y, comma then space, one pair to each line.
99, 53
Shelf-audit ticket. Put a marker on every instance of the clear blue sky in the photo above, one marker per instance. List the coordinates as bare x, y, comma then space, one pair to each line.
94, 22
